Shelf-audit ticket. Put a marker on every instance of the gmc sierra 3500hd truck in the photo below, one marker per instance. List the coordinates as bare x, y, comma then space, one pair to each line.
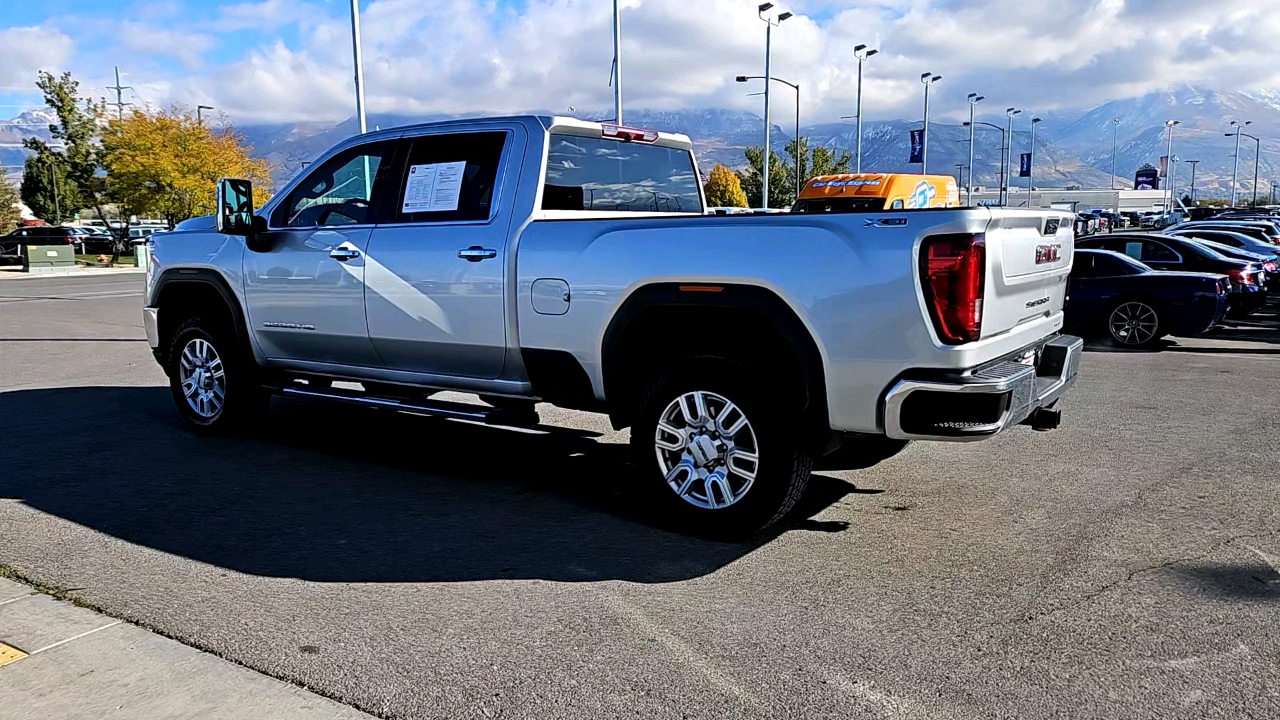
549, 259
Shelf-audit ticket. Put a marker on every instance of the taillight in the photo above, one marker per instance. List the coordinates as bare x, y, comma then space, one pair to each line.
1270, 266
953, 271
1241, 276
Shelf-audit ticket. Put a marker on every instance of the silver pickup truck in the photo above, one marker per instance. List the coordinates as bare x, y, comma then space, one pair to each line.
548, 259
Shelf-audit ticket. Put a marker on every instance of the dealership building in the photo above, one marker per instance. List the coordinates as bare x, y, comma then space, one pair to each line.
1074, 199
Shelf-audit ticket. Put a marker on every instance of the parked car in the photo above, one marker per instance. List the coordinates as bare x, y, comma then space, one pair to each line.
1115, 221
1228, 237
11, 244
1113, 295
1088, 224
1131, 218
94, 240
1268, 276
1169, 252
1261, 229
551, 259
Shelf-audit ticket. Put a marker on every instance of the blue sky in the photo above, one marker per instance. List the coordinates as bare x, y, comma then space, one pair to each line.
278, 60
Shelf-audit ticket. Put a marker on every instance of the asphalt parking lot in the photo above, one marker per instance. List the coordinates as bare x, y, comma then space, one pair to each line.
1125, 565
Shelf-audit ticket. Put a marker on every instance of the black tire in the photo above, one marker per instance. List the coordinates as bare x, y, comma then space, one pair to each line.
243, 401
1139, 309
782, 469
858, 453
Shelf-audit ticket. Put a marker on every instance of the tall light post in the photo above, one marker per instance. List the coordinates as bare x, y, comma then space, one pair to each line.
928, 79
861, 53
769, 21
1170, 125
617, 64
796, 87
359, 61
974, 99
1173, 182
959, 173
1031, 166
993, 126
1008, 159
1115, 126
1235, 163
199, 116
1257, 151
1193, 164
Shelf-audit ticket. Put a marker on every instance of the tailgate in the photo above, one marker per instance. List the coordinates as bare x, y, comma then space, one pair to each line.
1028, 260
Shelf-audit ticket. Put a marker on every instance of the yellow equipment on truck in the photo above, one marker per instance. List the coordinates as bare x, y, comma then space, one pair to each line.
871, 192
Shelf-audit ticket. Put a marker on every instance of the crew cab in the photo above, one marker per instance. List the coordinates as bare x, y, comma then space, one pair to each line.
547, 259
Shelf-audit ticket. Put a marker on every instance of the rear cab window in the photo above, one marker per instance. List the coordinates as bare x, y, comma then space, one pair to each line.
611, 175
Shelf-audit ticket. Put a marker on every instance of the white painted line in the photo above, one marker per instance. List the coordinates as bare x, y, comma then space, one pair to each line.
77, 637
33, 593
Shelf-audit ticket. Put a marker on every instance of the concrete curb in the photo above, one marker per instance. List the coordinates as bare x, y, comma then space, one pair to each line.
79, 272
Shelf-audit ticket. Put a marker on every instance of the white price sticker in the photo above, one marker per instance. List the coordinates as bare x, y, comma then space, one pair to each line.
434, 187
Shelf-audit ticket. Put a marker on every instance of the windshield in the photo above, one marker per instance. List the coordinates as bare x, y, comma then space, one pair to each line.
593, 173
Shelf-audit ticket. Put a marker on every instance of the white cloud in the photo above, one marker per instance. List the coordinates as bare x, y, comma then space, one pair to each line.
24, 50
454, 56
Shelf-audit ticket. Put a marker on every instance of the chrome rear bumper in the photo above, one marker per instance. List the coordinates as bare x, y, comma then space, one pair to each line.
977, 405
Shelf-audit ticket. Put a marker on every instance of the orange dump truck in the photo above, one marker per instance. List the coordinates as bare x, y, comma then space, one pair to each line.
870, 192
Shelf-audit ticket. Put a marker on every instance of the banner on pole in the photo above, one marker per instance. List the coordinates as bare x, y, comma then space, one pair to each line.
917, 146
1024, 169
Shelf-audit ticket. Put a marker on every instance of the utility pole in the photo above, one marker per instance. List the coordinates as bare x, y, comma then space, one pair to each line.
1193, 164
960, 173
1235, 162
1115, 125
862, 53
1168, 163
928, 79
974, 99
120, 104
1008, 158
1031, 165
617, 64
359, 62
769, 22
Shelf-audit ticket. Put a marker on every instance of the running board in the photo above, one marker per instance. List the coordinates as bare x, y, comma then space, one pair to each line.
437, 408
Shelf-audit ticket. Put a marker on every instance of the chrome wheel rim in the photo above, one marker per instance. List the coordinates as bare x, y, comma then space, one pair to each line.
202, 378
1133, 323
706, 449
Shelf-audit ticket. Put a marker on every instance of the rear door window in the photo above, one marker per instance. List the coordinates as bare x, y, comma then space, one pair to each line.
450, 177
595, 173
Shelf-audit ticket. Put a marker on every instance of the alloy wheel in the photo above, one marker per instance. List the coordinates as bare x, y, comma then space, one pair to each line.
202, 378
1133, 323
706, 449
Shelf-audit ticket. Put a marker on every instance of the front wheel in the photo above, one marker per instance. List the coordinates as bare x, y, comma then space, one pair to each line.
1135, 324
213, 385
720, 454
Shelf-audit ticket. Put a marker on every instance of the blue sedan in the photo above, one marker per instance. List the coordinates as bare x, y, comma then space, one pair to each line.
1115, 296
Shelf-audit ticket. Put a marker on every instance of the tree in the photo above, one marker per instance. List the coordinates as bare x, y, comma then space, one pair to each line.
9, 214
724, 189
780, 195
820, 161
47, 190
76, 132
169, 162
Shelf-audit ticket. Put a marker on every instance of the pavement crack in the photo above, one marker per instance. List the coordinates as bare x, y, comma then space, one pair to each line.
1130, 575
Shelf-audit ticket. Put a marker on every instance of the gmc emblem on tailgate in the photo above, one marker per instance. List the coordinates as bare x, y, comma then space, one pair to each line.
1048, 253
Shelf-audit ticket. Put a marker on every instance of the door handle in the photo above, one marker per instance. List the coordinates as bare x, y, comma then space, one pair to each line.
343, 254
475, 253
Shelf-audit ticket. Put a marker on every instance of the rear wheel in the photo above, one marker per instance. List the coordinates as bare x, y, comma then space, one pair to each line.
1135, 324
212, 383
719, 453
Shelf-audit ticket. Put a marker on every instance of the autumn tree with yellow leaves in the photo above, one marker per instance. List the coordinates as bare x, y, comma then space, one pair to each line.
723, 188
168, 163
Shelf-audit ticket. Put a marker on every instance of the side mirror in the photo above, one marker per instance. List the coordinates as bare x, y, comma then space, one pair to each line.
235, 207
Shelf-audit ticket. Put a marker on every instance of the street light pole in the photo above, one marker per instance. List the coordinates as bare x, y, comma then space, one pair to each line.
1115, 126
769, 22
1193, 164
1170, 124
617, 64
993, 126
1235, 162
862, 53
1008, 159
796, 87
199, 117
927, 79
1256, 153
1031, 166
974, 99
359, 61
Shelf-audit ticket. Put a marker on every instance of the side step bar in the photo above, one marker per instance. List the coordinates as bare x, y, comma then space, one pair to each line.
436, 408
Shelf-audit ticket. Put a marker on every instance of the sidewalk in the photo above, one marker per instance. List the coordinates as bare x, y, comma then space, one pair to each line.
61, 661
11, 272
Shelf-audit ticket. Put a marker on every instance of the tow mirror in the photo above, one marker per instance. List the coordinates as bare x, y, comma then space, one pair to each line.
235, 207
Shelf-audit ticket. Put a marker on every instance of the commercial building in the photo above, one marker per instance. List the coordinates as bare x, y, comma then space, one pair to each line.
1073, 199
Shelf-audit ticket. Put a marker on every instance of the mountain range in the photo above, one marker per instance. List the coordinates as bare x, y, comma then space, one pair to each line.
1072, 148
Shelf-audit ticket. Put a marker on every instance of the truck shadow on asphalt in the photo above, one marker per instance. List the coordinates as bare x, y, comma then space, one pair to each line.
336, 494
